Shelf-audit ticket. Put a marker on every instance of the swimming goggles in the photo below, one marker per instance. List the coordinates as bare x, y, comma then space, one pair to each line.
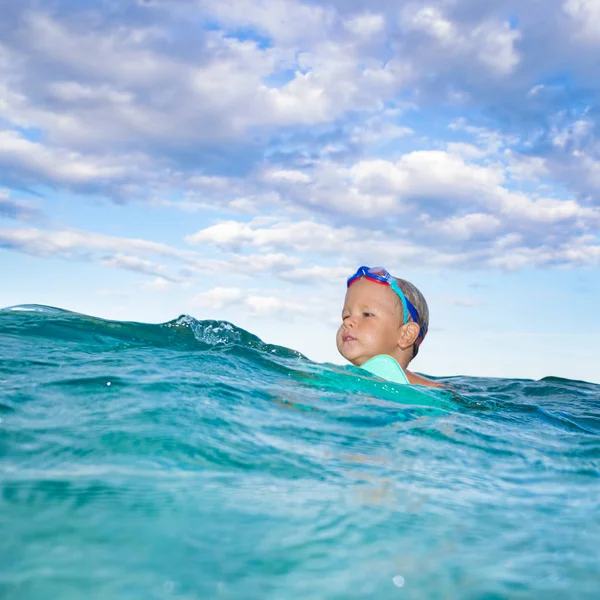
380, 275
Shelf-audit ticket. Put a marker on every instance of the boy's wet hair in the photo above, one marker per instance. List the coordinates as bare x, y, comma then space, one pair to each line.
413, 294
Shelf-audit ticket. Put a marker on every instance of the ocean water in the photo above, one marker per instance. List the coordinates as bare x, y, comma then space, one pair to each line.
190, 460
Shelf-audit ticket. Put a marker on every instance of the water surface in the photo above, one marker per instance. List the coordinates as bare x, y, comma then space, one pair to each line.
190, 460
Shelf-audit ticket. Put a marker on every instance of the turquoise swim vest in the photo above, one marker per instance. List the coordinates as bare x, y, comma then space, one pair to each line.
386, 367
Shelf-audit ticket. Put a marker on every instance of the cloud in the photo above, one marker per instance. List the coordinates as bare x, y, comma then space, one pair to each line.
261, 306
255, 305
475, 240
139, 89
138, 265
490, 42
70, 243
465, 150
288, 22
473, 225
160, 284
378, 129
582, 251
219, 297
34, 163
447, 208
115, 110
139, 255
319, 115
365, 25
585, 16
526, 168
121, 86
346, 245
108, 251
418, 181
435, 187
303, 236
115, 85
17, 209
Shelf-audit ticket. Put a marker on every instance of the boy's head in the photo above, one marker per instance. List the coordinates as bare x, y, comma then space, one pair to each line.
381, 315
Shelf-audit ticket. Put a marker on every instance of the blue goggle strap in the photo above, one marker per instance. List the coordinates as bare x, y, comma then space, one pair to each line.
383, 276
394, 285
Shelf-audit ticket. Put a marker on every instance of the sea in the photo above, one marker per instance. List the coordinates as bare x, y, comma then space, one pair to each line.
190, 460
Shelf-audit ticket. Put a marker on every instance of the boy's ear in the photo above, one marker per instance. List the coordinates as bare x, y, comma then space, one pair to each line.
408, 335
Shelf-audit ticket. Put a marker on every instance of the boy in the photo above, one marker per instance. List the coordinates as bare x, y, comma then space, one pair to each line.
383, 317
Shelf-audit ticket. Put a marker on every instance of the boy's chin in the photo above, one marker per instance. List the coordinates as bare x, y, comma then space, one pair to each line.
353, 355
357, 361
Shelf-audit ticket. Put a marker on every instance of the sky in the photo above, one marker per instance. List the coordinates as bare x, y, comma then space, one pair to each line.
239, 159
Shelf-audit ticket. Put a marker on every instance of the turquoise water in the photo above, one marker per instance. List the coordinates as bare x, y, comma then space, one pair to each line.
189, 460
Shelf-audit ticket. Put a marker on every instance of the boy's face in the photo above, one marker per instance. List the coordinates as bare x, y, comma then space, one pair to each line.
371, 322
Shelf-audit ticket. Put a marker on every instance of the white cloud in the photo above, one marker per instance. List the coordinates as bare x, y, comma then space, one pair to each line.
137, 254
588, 168
526, 168
495, 46
467, 151
365, 25
289, 175
160, 284
137, 264
491, 42
430, 172
303, 236
490, 142
124, 109
466, 227
431, 21
218, 297
585, 15
56, 164
373, 186
382, 127
452, 200
522, 232
583, 251
122, 54
548, 210
578, 252
17, 209
261, 306
69, 243
255, 305
441, 188
108, 251
227, 234
72, 91
122, 88
330, 81
284, 21
575, 134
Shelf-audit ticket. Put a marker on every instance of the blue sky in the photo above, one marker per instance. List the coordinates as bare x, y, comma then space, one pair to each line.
238, 160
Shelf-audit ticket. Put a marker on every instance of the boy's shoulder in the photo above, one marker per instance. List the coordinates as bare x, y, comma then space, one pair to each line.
420, 380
